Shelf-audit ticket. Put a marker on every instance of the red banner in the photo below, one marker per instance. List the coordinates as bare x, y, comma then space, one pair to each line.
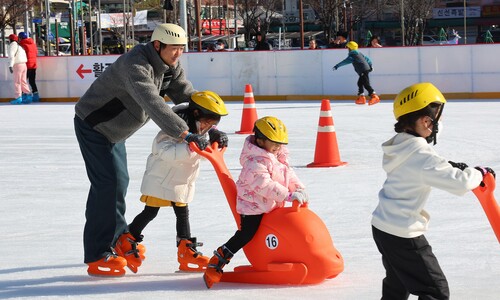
491, 10
214, 24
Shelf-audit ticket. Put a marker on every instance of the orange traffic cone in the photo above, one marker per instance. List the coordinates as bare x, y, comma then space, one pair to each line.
327, 150
249, 114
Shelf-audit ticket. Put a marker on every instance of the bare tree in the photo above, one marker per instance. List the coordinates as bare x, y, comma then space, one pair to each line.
347, 15
328, 13
257, 15
157, 6
367, 10
416, 13
12, 12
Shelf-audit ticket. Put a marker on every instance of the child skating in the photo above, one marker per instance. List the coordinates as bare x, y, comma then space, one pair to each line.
265, 183
169, 180
413, 167
363, 66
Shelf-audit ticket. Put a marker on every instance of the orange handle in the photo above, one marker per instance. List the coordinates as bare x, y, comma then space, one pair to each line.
216, 156
490, 206
296, 205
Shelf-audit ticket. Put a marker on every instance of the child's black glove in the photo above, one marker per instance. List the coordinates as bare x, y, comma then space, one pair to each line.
218, 136
199, 140
459, 165
484, 171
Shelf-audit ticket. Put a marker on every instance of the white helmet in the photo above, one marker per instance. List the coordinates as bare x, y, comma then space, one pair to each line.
170, 34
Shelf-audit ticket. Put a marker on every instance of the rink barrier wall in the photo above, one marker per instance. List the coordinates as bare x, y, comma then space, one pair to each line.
459, 71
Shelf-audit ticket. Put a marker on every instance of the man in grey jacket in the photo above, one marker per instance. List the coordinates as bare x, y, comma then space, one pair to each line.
119, 102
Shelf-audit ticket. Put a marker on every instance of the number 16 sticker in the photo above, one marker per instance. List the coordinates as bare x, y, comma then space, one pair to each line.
271, 241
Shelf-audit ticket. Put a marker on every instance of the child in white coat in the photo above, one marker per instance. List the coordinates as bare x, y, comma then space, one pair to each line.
413, 167
266, 181
169, 180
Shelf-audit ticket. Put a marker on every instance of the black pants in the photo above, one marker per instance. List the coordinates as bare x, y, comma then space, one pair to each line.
31, 75
364, 83
249, 227
106, 165
149, 213
411, 268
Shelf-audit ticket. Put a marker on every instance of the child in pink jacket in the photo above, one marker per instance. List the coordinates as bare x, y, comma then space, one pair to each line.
265, 183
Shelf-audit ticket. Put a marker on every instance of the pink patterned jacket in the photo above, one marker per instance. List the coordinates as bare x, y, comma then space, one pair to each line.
265, 180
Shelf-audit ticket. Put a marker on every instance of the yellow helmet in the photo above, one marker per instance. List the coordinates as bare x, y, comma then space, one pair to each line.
271, 128
352, 45
170, 34
209, 103
416, 97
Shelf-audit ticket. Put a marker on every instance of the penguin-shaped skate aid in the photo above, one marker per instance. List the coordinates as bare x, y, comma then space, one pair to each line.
292, 245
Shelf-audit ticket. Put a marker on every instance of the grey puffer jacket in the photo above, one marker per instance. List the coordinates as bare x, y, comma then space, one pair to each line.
127, 94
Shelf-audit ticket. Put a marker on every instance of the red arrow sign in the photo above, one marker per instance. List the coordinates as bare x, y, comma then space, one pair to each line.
80, 71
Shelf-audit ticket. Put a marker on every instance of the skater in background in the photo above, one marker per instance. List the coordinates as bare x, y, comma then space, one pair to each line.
169, 180
413, 167
363, 66
31, 53
266, 181
17, 67
117, 104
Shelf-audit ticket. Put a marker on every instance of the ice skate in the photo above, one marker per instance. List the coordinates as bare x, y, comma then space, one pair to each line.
213, 274
18, 100
190, 259
26, 98
361, 100
111, 265
130, 249
36, 97
374, 99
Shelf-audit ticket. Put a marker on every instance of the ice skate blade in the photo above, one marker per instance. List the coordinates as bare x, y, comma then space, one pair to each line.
190, 271
105, 272
132, 268
192, 267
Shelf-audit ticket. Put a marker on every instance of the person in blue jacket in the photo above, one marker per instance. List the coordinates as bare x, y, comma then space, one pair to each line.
363, 66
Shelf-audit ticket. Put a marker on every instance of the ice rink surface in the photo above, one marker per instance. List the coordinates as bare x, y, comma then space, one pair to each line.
44, 187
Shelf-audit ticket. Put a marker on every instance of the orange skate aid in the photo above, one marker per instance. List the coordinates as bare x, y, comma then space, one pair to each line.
292, 245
